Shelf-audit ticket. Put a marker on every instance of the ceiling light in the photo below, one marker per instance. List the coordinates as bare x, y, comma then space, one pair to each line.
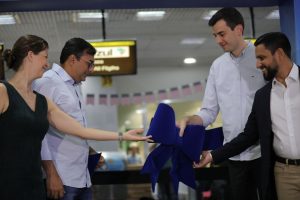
150, 15
90, 17
7, 19
191, 41
273, 15
190, 60
208, 14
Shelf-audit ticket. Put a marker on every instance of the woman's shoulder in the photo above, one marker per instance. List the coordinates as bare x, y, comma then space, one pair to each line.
3, 98
2, 89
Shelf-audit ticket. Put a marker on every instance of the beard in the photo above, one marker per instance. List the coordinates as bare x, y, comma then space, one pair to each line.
270, 73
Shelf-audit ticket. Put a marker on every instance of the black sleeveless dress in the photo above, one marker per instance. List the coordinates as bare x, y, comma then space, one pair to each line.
21, 133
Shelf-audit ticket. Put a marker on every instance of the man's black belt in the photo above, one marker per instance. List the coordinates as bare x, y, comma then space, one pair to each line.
288, 161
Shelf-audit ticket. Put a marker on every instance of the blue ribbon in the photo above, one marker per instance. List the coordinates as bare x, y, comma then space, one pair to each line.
92, 162
182, 150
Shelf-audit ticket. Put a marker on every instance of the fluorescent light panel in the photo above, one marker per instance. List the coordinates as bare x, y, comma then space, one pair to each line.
150, 15
193, 41
208, 14
7, 19
189, 60
273, 15
90, 16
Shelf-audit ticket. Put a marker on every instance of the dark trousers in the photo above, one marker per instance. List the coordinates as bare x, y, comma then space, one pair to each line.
72, 193
244, 179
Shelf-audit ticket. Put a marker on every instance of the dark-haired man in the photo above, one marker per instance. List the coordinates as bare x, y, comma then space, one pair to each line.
231, 85
65, 163
274, 121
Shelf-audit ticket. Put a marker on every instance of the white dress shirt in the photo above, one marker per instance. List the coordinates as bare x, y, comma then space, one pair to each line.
230, 89
69, 153
285, 115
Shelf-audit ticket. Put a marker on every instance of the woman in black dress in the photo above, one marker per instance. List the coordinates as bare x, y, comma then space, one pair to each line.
24, 120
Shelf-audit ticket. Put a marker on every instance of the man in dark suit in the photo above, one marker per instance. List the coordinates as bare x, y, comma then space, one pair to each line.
273, 121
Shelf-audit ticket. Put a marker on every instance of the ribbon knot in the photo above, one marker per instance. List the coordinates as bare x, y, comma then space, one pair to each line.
183, 151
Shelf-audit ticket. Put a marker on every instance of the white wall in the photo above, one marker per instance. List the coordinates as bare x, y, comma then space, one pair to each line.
99, 116
153, 79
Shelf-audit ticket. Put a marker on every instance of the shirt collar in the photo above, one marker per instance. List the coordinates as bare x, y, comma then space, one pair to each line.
243, 51
293, 75
63, 74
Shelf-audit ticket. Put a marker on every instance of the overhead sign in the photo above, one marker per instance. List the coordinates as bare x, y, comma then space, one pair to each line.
251, 40
115, 58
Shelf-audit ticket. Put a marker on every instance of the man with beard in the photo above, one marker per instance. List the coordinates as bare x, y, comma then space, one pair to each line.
230, 88
274, 121
65, 157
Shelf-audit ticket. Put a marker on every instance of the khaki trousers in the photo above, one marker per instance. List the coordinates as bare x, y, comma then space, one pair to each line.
287, 180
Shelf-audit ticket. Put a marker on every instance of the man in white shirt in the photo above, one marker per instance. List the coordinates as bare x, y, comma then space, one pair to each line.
274, 121
66, 167
231, 85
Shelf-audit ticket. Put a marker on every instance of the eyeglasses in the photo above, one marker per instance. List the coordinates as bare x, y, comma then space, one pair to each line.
89, 63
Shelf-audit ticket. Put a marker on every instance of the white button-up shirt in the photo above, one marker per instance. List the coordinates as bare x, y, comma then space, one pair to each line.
230, 89
69, 153
285, 115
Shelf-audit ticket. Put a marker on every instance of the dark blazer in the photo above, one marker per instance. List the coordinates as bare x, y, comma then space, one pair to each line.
257, 129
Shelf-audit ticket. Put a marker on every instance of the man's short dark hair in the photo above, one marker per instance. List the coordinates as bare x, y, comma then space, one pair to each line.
231, 16
77, 47
273, 41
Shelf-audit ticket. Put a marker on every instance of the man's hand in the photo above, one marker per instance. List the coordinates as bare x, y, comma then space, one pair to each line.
55, 188
101, 162
205, 159
190, 120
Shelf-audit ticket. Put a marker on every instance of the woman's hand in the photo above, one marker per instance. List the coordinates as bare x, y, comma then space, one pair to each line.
134, 135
